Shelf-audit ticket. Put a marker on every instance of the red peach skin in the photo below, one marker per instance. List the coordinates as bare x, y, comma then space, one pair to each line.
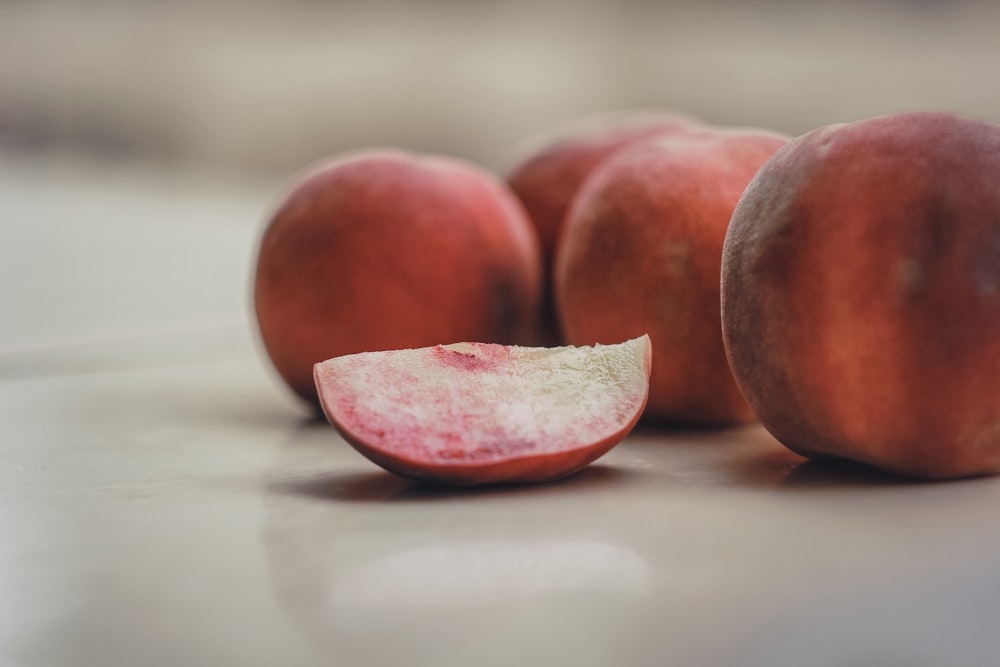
473, 413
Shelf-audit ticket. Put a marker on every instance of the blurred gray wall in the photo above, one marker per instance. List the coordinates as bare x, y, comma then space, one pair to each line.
271, 85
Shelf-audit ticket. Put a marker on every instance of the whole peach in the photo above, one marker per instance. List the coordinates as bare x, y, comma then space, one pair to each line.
861, 294
384, 250
641, 253
553, 166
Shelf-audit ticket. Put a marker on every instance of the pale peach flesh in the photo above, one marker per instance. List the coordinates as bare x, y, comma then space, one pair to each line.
475, 413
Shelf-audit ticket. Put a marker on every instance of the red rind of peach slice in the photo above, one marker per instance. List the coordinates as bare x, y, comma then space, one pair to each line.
478, 413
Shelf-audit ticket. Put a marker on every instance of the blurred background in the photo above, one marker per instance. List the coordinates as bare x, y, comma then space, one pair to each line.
143, 143
261, 87
144, 517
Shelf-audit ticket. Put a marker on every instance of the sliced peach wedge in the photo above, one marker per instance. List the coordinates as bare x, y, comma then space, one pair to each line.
478, 413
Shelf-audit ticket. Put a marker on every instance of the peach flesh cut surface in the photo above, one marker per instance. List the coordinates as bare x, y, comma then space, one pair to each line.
476, 413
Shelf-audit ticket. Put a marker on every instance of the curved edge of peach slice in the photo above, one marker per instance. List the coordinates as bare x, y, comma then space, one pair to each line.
480, 413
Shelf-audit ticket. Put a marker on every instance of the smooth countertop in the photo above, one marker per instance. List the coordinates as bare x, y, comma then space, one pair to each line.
164, 501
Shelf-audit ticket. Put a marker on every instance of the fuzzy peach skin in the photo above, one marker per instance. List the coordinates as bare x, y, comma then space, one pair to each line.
548, 175
475, 413
642, 252
383, 250
552, 167
861, 294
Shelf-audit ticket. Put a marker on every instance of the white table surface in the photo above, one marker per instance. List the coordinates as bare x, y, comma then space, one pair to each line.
163, 501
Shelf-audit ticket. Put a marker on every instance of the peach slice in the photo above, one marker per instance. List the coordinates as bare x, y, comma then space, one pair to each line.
477, 413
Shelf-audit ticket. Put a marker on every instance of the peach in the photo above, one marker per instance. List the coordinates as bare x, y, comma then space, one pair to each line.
861, 294
473, 413
642, 252
553, 166
381, 250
